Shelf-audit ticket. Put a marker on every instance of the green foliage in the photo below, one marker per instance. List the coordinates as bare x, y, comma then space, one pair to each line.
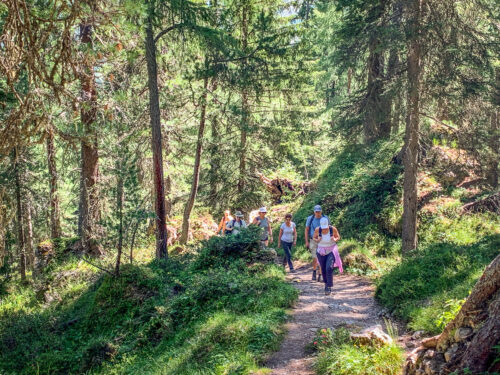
339, 356
175, 317
452, 307
418, 288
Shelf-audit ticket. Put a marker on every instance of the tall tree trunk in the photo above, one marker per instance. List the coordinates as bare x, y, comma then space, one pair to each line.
197, 164
28, 242
90, 156
214, 163
349, 80
377, 122
120, 198
244, 102
20, 221
154, 113
410, 157
494, 137
394, 99
55, 221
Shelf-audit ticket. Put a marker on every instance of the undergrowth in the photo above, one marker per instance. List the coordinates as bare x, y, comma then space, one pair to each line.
338, 355
213, 312
361, 192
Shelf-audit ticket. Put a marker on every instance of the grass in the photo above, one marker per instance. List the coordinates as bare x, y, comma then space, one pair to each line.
361, 192
340, 356
214, 312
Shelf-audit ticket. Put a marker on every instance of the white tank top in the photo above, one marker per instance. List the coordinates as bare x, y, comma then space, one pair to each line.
325, 240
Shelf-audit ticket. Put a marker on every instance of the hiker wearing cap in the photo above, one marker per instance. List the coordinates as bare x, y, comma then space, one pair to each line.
263, 222
312, 222
223, 222
236, 225
288, 238
326, 236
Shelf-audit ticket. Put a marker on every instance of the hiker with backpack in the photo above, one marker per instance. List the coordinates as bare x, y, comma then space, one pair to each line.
326, 236
236, 225
263, 222
288, 238
223, 222
312, 222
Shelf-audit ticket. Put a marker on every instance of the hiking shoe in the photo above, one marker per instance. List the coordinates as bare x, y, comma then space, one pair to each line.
292, 270
319, 277
328, 290
314, 275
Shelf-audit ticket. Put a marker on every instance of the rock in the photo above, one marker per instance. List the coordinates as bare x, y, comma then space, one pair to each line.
462, 333
372, 336
448, 355
410, 344
417, 335
430, 342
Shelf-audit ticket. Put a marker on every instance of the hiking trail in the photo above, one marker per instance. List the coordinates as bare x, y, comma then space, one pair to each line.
351, 304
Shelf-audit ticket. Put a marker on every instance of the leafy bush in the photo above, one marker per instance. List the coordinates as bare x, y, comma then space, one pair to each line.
417, 289
206, 313
339, 356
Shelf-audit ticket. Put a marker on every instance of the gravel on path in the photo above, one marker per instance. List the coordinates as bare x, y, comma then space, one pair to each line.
351, 304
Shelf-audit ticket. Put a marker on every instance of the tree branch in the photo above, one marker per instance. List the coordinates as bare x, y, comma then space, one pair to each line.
167, 30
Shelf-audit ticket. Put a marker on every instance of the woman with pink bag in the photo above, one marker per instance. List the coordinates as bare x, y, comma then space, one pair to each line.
328, 253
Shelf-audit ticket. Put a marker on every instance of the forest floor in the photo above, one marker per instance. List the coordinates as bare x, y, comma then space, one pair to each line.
351, 305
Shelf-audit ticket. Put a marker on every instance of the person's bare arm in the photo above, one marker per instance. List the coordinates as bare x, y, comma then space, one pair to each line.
279, 237
294, 235
316, 235
221, 224
306, 236
336, 234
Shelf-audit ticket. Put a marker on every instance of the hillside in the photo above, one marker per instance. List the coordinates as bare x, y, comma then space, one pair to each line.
361, 192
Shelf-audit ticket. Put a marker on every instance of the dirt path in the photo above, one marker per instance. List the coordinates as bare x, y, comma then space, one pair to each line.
351, 303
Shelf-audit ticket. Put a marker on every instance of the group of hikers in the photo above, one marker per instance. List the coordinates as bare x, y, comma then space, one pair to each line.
320, 238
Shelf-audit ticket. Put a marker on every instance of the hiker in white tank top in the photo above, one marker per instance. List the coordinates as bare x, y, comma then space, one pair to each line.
327, 236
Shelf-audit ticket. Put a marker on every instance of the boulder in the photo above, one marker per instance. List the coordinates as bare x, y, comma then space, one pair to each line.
372, 336
430, 342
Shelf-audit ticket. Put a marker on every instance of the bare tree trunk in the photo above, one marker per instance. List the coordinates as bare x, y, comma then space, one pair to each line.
55, 221
495, 137
197, 163
90, 156
394, 101
132, 242
30, 253
410, 157
154, 112
120, 198
215, 157
244, 103
377, 122
20, 222
349, 80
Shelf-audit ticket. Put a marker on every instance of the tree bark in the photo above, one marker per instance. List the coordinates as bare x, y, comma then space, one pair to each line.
90, 156
154, 112
120, 198
20, 221
410, 157
197, 163
494, 131
30, 252
55, 221
394, 99
244, 103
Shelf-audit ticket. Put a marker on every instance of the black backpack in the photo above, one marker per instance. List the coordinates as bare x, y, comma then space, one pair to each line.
331, 231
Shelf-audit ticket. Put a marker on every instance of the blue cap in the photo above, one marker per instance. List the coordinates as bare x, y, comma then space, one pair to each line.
317, 208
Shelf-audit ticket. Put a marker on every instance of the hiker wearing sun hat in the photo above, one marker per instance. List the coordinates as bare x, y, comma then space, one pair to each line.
312, 222
263, 222
326, 237
236, 225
